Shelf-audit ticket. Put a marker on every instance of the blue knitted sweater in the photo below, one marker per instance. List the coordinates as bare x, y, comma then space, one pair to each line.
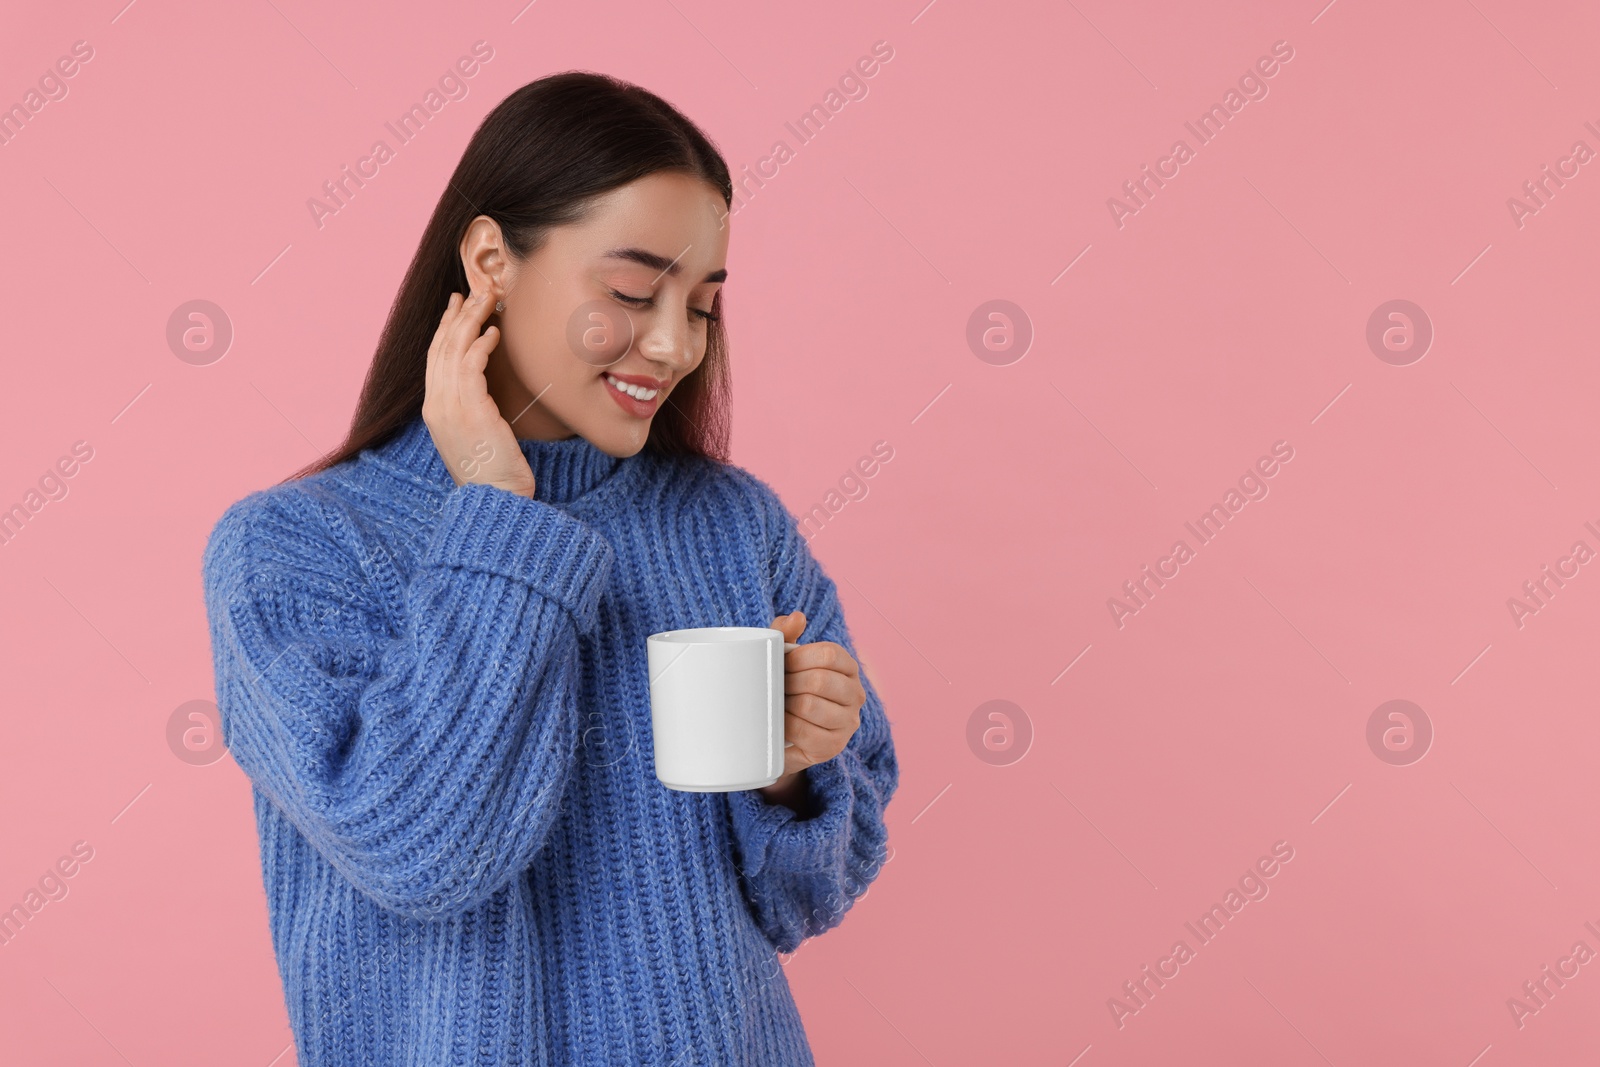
439, 694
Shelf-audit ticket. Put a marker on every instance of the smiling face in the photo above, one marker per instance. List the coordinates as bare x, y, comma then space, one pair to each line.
607, 310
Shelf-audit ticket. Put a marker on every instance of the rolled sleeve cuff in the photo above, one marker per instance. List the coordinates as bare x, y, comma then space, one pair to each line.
772, 837
489, 529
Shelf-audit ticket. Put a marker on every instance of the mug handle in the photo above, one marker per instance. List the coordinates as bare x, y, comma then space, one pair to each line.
789, 646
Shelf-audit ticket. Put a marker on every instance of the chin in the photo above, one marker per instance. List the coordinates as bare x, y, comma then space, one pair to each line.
620, 441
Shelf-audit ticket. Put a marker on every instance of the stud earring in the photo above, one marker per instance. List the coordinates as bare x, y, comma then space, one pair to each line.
499, 305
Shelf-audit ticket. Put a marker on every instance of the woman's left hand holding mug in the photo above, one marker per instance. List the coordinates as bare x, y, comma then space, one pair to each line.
823, 697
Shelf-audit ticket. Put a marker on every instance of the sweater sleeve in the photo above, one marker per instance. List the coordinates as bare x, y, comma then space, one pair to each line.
418, 733
802, 874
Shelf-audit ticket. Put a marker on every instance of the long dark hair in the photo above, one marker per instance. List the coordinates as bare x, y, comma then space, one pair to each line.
536, 162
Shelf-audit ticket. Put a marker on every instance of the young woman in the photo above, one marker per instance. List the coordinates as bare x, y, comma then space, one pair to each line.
430, 646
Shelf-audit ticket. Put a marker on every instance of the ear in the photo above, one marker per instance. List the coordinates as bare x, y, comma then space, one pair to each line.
483, 256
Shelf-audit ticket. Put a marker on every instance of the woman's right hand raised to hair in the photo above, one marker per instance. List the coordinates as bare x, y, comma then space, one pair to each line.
473, 438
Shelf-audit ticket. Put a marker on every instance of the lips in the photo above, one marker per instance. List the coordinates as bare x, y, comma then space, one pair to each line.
637, 394
644, 381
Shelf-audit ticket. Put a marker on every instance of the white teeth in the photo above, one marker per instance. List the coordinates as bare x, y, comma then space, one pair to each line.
638, 392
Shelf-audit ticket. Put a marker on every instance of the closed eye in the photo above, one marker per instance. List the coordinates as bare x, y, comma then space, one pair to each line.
645, 301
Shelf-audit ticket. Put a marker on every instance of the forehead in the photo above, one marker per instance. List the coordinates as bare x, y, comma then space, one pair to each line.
676, 216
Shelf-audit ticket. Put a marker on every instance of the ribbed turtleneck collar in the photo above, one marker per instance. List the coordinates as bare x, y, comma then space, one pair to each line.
563, 470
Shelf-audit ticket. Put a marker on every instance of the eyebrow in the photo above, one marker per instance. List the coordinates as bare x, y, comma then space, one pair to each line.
659, 263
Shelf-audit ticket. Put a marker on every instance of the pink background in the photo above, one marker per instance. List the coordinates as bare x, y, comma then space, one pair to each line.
1229, 313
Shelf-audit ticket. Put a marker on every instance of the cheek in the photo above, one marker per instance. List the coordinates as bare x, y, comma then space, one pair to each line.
545, 350
597, 334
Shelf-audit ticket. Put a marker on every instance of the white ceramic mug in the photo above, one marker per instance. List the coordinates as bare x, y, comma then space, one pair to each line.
716, 707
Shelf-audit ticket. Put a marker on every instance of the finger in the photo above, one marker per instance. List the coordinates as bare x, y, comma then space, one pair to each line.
791, 627
829, 685
810, 744
449, 350
468, 379
474, 384
828, 655
806, 744
435, 347
821, 713
450, 347
470, 318
450, 323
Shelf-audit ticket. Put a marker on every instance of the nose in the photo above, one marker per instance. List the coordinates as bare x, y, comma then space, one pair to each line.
667, 340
